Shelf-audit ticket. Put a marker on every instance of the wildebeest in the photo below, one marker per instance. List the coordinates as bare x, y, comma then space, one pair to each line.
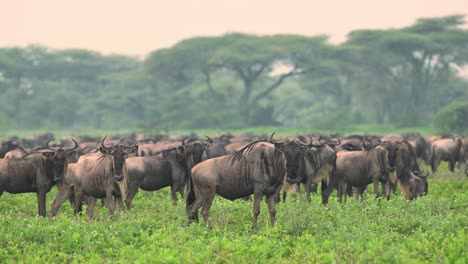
446, 149
217, 148
307, 162
170, 168
259, 169
419, 145
358, 169
16, 153
8, 145
65, 190
102, 174
412, 181
36, 172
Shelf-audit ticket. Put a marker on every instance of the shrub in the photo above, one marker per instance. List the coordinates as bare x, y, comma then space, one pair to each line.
452, 119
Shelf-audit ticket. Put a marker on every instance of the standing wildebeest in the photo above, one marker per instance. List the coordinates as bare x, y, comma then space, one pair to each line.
258, 169
36, 172
170, 168
65, 190
419, 145
102, 175
412, 181
358, 169
307, 162
447, 149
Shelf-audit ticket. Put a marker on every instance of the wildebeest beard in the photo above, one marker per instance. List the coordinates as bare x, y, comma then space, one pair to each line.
320, 163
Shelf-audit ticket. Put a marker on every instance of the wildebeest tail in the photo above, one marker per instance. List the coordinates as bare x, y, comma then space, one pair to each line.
433, 160
191, 193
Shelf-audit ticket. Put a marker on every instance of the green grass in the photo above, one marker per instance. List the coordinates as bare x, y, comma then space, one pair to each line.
280, 131
432, 229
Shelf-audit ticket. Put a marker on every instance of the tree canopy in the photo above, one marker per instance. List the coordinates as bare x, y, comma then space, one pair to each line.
398, 76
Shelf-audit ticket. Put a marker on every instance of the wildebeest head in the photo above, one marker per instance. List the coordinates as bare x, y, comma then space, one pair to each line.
392, 148
57, 158
292, 150
194, 150
119, 153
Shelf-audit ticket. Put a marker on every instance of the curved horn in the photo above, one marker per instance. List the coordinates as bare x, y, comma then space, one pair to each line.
338, 142
102, 143
209, 139
75, 147
49, 147
134, 144
271, 137
416, 177
183, 141
307, 143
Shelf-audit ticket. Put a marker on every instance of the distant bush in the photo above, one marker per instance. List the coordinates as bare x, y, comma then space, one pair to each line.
452, 119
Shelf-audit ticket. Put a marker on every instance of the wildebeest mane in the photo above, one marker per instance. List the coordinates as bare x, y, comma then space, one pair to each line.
237, 156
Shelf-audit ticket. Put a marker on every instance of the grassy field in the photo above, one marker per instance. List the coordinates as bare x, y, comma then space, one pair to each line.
280, 131
432, 229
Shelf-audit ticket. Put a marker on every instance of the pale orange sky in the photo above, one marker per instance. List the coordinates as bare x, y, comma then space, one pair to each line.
138, 27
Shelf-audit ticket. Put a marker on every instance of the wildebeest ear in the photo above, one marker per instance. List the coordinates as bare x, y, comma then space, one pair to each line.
49, 154
132, 150
105, 151
70, 153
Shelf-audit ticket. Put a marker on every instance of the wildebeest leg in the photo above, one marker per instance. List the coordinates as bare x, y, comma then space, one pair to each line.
386, 189
258, 194
91, 204
62, 195
375, 182
308, 188
78, 201
41, 201
109, 201
193, 210
208, 201
326, 193
452, 165
119, 202
132, 190
270, 200
174, 195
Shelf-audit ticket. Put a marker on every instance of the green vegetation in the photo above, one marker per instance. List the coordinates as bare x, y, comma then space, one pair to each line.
400, 77
281, 131
452, 119
428, 230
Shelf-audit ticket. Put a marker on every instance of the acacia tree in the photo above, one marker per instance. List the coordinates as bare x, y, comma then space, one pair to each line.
408, 66
252, 61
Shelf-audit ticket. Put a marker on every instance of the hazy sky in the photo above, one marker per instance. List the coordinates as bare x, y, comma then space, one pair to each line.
138, 27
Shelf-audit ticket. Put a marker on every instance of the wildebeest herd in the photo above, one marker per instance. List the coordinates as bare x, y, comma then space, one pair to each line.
233, 167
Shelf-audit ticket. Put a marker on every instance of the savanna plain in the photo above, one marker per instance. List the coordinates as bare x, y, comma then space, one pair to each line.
431, 229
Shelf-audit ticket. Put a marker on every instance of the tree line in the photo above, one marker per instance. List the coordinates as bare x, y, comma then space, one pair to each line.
395, 76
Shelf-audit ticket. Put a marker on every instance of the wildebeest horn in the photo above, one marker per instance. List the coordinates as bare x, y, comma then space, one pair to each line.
209, 139
271, 137
49, 147
75, 147
308, 141
183, 141
416, 177
271, 140
337, 140
102, 143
